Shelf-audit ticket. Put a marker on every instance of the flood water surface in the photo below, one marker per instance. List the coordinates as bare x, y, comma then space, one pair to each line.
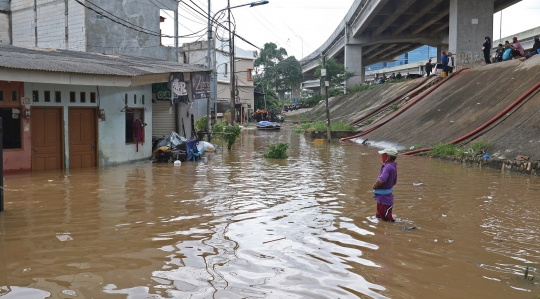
247, 227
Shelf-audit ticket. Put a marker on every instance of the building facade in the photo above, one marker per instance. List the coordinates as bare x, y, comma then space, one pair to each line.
99, 26
69, 109
196, 53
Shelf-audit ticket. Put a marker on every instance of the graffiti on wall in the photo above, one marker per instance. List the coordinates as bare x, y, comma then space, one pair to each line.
178, 89
162, 91
200, 85
469, 60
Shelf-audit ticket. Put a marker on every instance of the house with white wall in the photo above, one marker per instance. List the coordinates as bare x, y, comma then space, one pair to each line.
101, 26
75, 109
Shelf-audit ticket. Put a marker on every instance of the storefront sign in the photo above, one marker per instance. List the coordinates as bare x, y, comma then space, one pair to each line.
200, 85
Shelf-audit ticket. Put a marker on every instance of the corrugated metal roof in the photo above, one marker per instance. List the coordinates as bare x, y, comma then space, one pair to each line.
55, 60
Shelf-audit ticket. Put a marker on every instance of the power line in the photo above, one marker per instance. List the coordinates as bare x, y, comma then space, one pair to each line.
142, 30
222, 26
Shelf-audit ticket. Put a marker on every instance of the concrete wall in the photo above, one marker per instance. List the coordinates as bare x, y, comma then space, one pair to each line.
466, 102
470, 22
23, 23
5, 37
112, 148
105, 36
76, 26
89, 31
51, 24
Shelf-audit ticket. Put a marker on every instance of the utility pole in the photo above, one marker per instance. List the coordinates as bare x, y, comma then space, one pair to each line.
231, 56
326, 83
209, 45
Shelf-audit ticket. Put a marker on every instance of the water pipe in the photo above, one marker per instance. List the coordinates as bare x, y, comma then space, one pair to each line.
405, 108
489, 122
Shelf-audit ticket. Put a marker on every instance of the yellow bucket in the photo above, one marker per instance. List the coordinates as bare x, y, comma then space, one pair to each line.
443, 75
318, 141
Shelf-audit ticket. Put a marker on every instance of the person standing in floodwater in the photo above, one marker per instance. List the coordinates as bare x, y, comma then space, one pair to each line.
383, 187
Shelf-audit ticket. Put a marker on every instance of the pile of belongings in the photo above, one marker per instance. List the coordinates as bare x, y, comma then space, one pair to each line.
174, 147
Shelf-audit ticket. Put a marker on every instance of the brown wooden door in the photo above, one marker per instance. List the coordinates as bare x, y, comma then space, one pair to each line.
82, 137
46, 138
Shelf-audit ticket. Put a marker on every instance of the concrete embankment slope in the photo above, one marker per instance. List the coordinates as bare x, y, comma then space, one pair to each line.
351, 106
467, 101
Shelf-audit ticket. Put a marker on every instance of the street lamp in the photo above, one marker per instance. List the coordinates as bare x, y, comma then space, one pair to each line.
213, 79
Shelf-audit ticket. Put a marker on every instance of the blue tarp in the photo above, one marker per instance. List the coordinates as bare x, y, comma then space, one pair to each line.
266, 123
192, 151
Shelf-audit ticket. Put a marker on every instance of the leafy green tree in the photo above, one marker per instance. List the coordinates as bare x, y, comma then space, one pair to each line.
287, 73
335, 72
264, 63
268, 57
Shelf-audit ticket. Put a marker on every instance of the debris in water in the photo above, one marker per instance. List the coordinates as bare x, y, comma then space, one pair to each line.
64, 238
274, 240
408, 227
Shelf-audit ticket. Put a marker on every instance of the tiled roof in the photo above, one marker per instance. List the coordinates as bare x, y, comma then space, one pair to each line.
55, 60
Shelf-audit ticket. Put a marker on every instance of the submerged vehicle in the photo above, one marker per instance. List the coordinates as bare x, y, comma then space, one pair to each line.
268, 125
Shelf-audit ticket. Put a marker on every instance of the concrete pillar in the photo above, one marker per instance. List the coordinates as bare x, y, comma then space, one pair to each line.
439, 52
281, 95
353, 63
470, 22
296, 89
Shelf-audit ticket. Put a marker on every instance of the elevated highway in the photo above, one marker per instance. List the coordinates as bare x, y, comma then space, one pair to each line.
380, 30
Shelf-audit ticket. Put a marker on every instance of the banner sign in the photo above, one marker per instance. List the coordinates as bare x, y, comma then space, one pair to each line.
178, 89
162, 91
200, 85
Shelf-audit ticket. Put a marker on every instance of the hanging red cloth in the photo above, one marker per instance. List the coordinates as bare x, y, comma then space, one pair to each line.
139, 132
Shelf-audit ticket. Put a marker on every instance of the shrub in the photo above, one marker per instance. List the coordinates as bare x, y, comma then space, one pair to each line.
479, 147
277, 151
233, 133
442, 149
335, 92
200, 124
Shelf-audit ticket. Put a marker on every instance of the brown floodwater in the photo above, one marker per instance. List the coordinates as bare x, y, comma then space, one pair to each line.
246, 227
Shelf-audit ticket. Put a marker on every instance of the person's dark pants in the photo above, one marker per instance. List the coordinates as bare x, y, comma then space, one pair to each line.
384, 212
445, 68
450, 70
531, 54
515, 53
487, 57
428, 73
499, 59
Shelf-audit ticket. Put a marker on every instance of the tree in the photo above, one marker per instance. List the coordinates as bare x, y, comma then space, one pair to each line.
335, 72
268, 57
265, 60
287, 73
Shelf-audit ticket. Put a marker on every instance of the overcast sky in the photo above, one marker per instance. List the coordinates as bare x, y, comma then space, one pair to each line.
301, 26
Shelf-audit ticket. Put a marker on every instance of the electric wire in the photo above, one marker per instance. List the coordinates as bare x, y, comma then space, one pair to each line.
134, 26
223, 26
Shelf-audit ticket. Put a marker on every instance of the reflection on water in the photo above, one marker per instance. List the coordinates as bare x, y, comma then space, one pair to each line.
246, 227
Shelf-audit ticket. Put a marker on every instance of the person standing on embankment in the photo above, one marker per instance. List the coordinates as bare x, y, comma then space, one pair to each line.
383, 187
